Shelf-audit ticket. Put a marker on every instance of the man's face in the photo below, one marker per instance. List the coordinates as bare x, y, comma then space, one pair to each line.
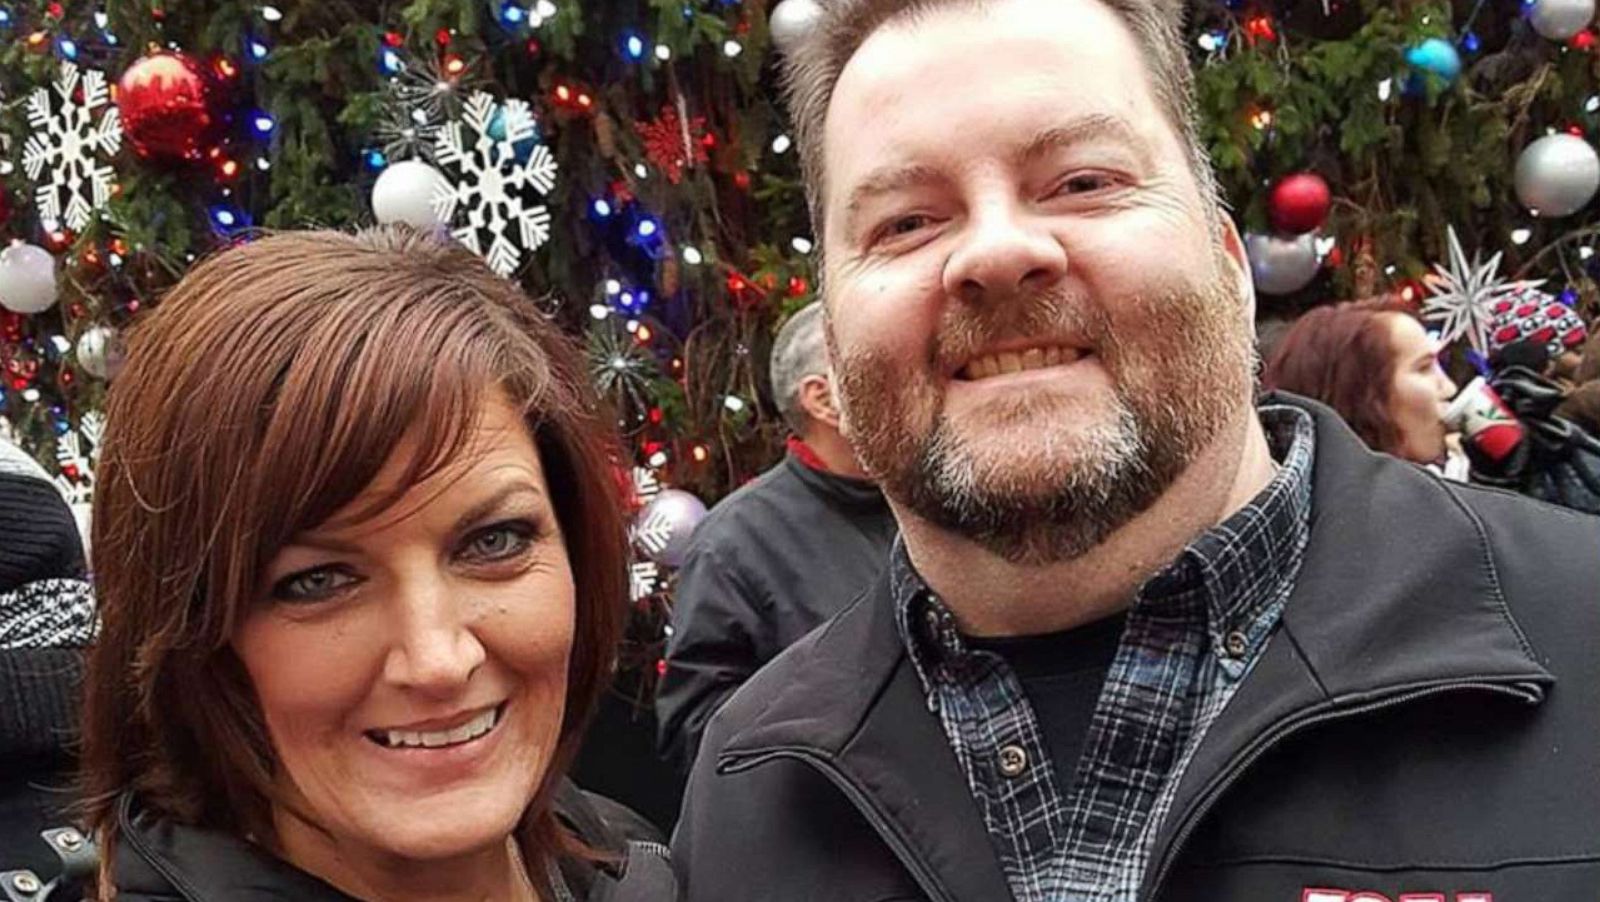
1034, 326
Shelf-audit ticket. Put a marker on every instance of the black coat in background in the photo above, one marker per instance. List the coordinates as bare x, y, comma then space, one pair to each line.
1424, 720
768, 565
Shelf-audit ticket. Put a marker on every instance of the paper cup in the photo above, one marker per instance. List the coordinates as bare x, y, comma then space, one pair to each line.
1484, 420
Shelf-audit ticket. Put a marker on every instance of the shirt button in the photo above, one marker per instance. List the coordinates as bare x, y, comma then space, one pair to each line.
1013, 761
1236, 644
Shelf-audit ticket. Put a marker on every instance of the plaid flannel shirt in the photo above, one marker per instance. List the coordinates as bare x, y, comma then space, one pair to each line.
1193, 632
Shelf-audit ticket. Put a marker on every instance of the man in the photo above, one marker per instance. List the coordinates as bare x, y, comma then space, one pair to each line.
1138, 640
777, 557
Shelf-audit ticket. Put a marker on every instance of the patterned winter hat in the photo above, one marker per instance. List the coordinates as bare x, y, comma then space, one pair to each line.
1534, 315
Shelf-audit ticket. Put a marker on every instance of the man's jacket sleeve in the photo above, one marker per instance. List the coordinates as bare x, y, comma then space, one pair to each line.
719, 639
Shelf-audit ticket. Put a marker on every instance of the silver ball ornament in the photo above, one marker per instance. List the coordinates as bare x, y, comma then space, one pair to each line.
405, 193
1557, 175
27, 279
1282, 265
665, 525
792, 21
1561, 20
100, 352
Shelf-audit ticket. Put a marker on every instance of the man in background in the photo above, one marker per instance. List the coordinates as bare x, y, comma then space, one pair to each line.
777, 557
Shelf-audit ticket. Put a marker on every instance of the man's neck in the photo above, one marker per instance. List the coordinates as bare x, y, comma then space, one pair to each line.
832, 451
991, 596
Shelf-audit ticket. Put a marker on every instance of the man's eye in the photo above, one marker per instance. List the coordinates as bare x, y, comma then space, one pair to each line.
904, 225
1087, 183
312, 585
498, 542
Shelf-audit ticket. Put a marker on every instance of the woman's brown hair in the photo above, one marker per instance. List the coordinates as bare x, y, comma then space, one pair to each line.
261, 397
1343, 356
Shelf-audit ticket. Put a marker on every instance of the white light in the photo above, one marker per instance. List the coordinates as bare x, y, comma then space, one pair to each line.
1386, 89
1208, 42
1389, 270
733, 403
271, 13
732, 48
631, 325
31, 395
61, 343
599, 311
640, 171
1521, 236
802, 245
101, 20
658, 459
6, 168
1592, 105
116, 259
619, 363
545, 8
692, 256
781, 144
663, 52
1585, 252
613, 286
535, 20
263, 164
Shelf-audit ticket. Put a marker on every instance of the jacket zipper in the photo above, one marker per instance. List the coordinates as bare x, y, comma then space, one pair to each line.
926, 880
1523, 690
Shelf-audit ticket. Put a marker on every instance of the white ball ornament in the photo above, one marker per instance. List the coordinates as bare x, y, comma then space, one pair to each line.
791, 21
404, 193
1561, 20
1282, 265
100, 352
27, 279
1557, 175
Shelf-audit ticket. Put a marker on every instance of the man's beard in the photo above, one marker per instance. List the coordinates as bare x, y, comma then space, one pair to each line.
1184, 376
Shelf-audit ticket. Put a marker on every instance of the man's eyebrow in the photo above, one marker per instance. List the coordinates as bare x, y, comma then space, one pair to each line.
1092, 127
886, 180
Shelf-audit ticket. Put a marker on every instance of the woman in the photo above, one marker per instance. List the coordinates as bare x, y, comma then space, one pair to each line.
1376, 366
362, 577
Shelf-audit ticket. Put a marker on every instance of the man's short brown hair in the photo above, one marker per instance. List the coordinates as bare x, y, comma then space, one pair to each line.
812, 69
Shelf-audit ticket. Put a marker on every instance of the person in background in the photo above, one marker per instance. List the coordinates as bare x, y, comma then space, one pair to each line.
362, 575
47, 616
1377, 367
777, 557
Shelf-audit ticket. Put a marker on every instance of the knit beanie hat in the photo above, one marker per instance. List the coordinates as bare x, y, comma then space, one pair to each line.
1534, 315
38, 535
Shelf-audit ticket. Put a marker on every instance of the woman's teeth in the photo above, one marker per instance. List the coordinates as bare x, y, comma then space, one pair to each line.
407, 739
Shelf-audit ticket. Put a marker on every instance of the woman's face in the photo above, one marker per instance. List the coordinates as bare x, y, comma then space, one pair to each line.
412, 668
1420, 393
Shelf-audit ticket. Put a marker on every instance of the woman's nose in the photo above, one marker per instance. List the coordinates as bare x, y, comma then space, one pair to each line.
436, 650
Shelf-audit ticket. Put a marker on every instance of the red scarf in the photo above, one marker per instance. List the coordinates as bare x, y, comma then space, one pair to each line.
803, 453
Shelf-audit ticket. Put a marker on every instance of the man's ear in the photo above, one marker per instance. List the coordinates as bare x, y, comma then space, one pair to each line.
816, 398
1233, 249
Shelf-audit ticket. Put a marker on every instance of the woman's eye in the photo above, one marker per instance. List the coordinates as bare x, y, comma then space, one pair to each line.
498, 542
312, 585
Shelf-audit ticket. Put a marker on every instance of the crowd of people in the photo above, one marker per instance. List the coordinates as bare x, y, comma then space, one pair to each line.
1055, 595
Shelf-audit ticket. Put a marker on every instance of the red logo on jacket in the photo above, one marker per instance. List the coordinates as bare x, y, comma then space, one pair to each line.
1311, 894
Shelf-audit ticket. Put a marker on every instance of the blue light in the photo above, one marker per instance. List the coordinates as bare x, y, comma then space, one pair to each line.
110, 38
390, 62
633, 46
647, 228
1569, 297
5, 17
258, 50
68, 48
375, 159
263, 124
602, 207
224, 217
512, 14
1470, 42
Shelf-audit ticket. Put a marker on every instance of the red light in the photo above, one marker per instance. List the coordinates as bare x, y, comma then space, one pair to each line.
533, 47
563, 93
709, 141
661, 667
1575, 130
55, 11
442, 36
1584, 40
133, 306
655, 416
701, 454
742, 179
585, 101
644, 335
225, 68
37, 39
229, 168
1260, 27
394, 39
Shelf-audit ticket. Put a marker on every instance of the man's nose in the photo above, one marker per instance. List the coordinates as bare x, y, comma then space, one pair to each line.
435, 650
1003, 251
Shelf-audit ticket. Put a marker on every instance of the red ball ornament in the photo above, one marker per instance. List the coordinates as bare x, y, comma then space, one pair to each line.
1299, 203
166, 107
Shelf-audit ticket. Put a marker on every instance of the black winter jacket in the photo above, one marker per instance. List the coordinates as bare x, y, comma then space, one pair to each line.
1424, 725
158, 861
770, 564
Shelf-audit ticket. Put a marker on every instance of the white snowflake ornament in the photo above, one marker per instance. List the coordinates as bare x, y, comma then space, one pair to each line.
62, 155
495, 189
1464, 295
644, 578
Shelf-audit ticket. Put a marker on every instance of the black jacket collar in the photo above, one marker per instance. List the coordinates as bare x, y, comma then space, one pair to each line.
1398, 591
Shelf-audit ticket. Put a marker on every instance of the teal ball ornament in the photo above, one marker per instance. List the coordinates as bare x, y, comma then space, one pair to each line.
1435, 59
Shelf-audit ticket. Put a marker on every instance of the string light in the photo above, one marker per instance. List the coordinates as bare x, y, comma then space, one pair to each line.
271, 13
732, 48
692, 256
781, 144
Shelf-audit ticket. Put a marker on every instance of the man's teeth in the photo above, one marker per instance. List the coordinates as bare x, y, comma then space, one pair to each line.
1019, 361
470, 730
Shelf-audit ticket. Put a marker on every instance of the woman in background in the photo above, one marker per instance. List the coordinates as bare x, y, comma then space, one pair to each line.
362, 576
1376, 366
